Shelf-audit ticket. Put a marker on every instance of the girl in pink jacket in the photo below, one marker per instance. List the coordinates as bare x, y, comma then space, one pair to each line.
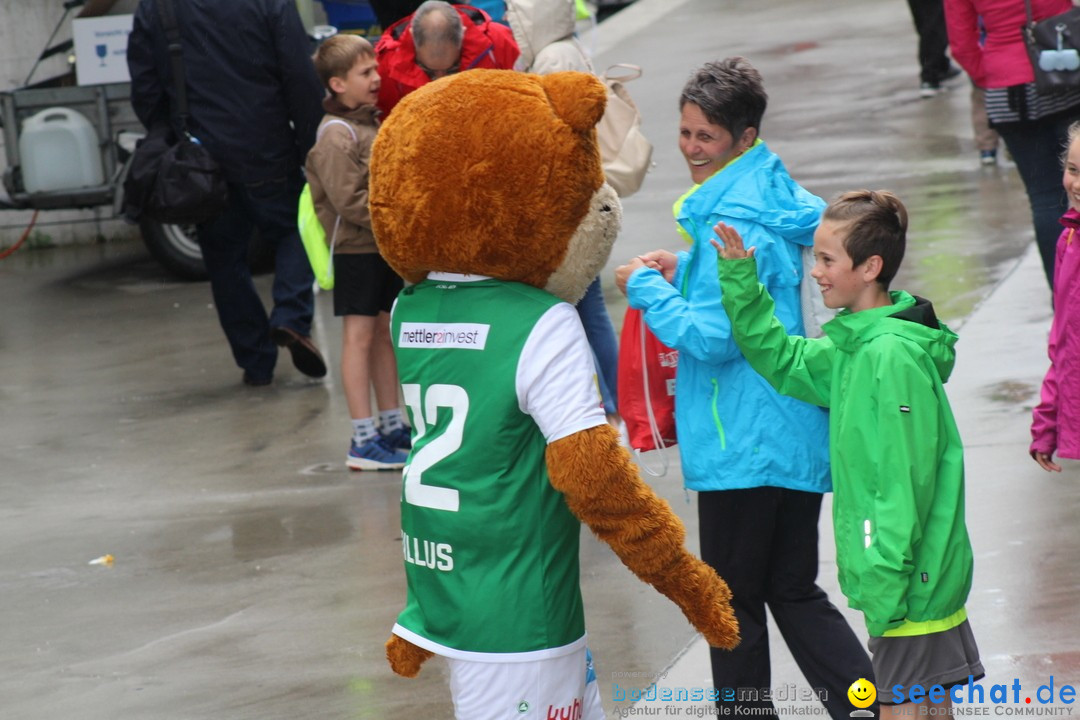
1056, 423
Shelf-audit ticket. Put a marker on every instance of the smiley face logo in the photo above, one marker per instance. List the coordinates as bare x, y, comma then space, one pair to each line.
862, 693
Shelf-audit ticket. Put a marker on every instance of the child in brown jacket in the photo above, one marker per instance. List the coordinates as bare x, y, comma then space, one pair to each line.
364, 285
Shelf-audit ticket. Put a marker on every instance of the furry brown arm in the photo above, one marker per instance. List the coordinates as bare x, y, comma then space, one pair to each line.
405, 658
603, 489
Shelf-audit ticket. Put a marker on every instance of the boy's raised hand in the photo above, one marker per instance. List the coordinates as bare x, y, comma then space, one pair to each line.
730, 246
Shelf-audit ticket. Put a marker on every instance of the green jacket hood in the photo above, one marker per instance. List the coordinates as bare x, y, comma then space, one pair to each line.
910, 317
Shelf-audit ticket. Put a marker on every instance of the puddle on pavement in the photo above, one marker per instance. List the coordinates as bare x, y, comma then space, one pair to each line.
1062, 664
267, 533
1012, 392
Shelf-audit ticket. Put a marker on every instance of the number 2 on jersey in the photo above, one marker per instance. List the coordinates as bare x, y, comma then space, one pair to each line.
424, 408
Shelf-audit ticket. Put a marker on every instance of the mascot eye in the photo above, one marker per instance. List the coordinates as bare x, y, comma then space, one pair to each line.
605, 208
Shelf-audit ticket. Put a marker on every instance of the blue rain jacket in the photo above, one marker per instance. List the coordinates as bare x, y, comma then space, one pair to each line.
734, 430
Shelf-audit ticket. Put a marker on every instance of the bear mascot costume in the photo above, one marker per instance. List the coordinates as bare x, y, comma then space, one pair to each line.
487, 194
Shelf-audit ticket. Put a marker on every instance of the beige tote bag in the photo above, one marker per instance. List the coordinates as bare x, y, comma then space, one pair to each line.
625, 151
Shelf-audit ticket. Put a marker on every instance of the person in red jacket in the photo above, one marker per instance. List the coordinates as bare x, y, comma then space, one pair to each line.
1034, 125
439, 39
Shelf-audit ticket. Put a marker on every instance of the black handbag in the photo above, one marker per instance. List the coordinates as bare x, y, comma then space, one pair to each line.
173, 179
1053, 46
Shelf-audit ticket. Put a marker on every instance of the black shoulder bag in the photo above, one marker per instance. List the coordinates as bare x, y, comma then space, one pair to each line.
172, 178
1053, 46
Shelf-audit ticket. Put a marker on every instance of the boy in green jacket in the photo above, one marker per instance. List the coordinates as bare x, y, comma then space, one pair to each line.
902, 548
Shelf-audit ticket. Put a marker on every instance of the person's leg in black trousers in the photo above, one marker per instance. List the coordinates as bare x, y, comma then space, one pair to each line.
1036, 149
820, 639
736, 528
929, 19
240, 310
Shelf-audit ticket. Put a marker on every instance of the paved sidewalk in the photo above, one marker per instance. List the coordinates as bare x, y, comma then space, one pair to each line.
255, 578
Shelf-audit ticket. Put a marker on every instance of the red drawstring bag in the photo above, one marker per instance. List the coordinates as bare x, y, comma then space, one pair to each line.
646, 385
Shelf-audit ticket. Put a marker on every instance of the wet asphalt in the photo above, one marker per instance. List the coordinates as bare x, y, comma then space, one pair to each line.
255, 577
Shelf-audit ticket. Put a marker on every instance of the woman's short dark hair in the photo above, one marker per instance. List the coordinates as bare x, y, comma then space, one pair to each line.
729, 92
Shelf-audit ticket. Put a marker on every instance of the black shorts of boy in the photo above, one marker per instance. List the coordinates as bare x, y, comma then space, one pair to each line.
364, 284
946, 658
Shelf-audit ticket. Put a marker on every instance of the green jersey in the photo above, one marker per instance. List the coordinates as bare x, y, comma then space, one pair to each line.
491, 372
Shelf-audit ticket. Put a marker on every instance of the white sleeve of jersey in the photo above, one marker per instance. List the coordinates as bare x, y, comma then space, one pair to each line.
556, 377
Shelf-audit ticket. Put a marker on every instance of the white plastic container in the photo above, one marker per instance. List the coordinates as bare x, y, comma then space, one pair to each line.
59, 151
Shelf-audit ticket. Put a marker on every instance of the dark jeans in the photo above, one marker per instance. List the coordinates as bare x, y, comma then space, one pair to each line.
1036, 148
601, 334
269, 207
763, 542
929, 19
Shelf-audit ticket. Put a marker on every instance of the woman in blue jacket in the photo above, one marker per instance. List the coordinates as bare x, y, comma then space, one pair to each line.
759, 460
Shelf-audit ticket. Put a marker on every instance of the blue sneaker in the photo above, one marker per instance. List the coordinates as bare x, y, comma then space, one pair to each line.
375, 454
400, 438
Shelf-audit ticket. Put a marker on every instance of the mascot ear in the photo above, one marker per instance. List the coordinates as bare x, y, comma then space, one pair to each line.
578, 98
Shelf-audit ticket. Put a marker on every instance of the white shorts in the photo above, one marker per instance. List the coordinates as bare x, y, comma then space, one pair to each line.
564, 687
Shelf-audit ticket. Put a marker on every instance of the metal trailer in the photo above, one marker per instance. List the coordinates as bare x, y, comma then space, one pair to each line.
108, 108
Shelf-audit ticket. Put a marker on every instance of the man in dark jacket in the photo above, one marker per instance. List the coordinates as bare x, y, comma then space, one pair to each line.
254, 102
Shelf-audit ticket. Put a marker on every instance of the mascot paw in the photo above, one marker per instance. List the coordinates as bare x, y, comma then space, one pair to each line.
404, 657
706, 601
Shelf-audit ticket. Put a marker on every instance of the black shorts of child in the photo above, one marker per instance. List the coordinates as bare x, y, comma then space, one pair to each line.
364, 284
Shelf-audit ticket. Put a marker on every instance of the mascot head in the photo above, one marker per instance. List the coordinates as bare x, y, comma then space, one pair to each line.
496, 172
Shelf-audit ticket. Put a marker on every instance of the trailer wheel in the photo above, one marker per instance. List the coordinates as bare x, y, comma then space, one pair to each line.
176, 247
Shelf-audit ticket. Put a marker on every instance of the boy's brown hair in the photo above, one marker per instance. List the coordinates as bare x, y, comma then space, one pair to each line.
877, 225
337, 55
